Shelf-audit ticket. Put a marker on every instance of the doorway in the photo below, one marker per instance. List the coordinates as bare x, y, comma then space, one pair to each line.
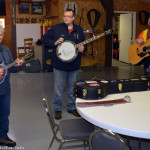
123, 36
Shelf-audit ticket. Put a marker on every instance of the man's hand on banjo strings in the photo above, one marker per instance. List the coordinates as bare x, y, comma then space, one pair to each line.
81, 48
59, 41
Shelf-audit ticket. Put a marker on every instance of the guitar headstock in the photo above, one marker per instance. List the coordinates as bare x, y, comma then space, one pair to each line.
28, 55
108, 32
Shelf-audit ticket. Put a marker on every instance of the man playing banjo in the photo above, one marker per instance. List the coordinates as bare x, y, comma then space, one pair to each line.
66, 59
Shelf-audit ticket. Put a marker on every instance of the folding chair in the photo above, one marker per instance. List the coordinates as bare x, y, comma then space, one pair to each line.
102, 139
71, 130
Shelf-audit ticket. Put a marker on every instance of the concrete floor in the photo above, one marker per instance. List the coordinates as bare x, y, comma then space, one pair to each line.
29, 125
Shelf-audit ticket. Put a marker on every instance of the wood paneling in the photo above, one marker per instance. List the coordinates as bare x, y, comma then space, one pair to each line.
33, 18
133, 5
55, 9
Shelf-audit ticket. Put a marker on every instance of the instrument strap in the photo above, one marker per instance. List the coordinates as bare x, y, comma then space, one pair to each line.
146, 15
117, 101
97, 17
148, 34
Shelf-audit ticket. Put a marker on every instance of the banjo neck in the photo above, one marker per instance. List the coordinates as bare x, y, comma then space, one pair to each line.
93, 38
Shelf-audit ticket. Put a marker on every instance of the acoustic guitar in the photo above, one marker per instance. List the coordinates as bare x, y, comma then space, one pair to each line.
2, 76
139, 52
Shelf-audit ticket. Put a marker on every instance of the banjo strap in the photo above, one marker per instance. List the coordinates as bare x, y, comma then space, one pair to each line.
97, 17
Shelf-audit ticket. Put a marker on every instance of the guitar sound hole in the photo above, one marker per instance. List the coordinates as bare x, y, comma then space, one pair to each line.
144, 49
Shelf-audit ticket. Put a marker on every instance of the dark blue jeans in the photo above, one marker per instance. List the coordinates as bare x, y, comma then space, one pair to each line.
4, 114
60, 79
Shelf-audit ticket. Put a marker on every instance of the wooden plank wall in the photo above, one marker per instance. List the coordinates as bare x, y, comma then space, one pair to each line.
56, 8
53, 11
33, 18
133, 5
119, 5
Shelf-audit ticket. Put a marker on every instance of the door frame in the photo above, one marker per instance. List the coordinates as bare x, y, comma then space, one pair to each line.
134, 23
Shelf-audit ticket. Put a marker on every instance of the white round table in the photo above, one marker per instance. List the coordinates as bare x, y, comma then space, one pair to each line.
132, 119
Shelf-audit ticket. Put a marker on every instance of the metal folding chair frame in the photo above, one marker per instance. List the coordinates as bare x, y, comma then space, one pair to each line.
109, 133
55, 130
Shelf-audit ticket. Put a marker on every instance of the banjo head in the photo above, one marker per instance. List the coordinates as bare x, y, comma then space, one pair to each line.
66, 51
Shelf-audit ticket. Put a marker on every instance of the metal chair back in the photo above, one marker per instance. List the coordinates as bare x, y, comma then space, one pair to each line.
102, 139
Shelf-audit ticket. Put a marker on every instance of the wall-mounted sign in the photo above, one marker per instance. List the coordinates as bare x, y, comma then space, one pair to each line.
37, 9
73, 6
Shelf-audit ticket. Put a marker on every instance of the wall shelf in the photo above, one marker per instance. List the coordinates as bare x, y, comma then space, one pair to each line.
45, 17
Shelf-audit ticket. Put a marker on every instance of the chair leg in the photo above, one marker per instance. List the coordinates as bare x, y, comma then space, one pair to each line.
51, 143
60, 146
85, 143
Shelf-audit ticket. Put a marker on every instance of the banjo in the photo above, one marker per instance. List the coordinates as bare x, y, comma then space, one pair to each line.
67, 51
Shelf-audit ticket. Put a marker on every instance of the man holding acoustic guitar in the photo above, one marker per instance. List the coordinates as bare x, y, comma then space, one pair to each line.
143, 50
5, 59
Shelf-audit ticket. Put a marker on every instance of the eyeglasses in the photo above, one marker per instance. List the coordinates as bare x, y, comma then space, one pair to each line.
67, 16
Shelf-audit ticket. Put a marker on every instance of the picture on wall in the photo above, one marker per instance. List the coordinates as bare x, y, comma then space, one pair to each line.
37, 9
24, 8
2, 22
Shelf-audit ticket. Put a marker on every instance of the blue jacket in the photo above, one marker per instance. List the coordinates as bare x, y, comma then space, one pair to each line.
5, 83
61, 30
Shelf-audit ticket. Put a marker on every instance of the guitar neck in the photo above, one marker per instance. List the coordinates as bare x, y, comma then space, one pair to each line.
89, 40
30, 54
9, 65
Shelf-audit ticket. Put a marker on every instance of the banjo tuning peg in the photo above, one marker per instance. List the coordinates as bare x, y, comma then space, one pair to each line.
108, 32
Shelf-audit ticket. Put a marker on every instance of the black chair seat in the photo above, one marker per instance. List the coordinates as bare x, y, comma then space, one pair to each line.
75, 129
